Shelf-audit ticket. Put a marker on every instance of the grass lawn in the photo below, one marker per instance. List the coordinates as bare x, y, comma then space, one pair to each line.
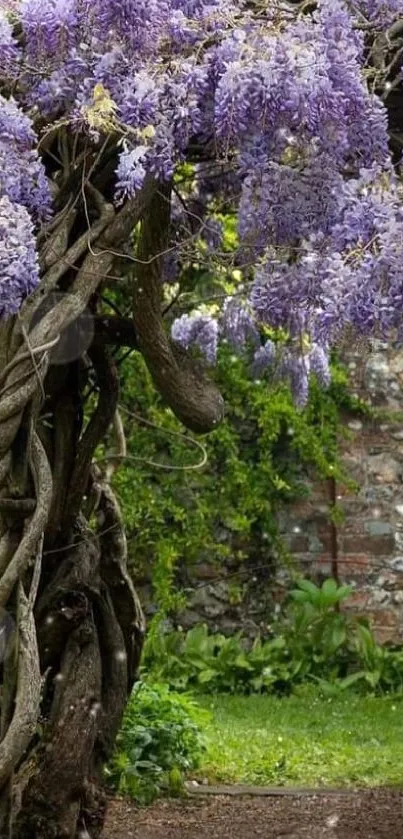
304, 740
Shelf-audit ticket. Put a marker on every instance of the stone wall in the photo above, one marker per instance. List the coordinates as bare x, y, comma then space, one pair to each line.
370, 538
227, 595
368, 545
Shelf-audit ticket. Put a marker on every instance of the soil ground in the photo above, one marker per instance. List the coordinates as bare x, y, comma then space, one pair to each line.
369, 814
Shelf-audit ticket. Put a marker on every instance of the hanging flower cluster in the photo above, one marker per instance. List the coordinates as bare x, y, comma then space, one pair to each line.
292, 132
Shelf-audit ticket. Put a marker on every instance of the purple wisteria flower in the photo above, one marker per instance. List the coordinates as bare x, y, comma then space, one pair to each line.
319, 364
22, 175
130, 172
276, 122
9, 53
238, 325
380, 13
264, 359
199, 331
19, 269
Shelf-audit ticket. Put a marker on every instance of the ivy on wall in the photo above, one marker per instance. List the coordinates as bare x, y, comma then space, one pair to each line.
257, 461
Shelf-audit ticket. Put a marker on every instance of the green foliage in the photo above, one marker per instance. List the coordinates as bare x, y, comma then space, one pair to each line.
256, 462
314, 642
382, 667
317, 635
212, 663
159, 740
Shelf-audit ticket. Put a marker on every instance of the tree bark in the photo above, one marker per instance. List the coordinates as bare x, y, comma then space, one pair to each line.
90, 630
79, 623
64, 585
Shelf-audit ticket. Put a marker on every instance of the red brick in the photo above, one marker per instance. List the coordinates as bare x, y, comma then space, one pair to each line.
321, 491
358, 601
322, 564
374, 545
385, 624
351, 564
383, 618
343, 493
386, 634
302, 510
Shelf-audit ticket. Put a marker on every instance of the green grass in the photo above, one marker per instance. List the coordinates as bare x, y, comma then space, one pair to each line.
304, 740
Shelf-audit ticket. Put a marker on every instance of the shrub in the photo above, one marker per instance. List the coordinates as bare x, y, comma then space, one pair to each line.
159, 740
314, 642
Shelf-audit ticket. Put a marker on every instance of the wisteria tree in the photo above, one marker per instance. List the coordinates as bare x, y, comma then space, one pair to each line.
128, 129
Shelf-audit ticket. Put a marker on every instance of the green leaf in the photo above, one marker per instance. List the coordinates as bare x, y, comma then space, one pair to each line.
343, 592
309, 587
207, 676
339, 636
348, 681
242, 662
329, 586
300, 596
373, 678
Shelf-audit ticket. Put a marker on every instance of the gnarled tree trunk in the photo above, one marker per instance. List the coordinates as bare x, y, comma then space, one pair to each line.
89, 630
78, 627
79, 623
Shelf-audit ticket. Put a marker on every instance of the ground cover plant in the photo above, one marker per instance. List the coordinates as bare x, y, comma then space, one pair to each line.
308, 739
319, 704
160, 740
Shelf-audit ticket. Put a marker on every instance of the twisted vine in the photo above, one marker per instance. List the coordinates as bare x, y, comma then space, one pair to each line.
76, 611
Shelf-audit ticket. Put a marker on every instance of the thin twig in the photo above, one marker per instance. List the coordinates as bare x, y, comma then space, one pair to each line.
28, 354
32, 356
155, 465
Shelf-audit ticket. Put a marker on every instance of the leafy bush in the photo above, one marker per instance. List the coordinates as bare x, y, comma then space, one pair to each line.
382, 667
339, 649
317, 635
315, 642
213, 663
159, 740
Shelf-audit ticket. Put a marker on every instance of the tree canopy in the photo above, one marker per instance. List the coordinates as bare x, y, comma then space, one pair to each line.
281, 109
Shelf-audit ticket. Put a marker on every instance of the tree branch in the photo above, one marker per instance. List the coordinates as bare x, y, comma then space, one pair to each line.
5, 466
55, 246
27, 701
121, 448
67, 427
182, 382
114, 572
98, 425
95, 267
29, 543
21, 507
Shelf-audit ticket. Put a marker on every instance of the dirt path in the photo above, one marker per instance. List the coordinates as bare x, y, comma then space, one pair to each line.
373, 814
